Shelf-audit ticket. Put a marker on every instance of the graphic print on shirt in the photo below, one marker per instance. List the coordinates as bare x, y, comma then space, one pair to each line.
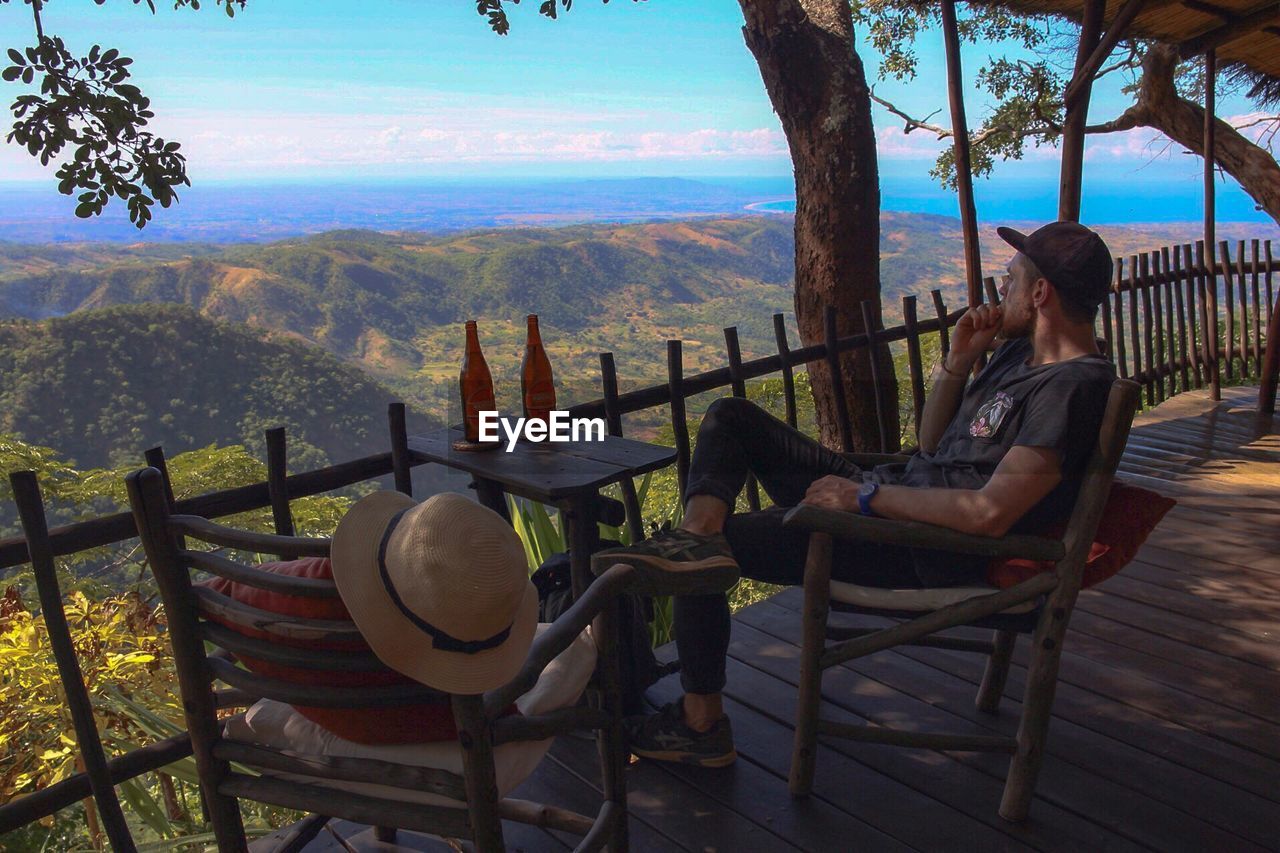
991, 414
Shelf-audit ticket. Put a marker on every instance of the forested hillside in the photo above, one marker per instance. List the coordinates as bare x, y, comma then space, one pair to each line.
103, 385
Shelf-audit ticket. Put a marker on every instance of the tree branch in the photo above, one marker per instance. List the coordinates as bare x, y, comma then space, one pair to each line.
35, 11
912, 123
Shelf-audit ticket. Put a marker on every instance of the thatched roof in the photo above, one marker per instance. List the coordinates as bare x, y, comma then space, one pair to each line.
1245, 33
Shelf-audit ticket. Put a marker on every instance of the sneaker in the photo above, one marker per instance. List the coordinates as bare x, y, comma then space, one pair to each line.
665, 737
676, 562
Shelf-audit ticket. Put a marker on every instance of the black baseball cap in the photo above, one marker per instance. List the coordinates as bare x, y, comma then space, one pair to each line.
1073, 258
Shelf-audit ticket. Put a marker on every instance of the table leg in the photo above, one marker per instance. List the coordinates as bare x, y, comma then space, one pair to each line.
584, 540
491, 495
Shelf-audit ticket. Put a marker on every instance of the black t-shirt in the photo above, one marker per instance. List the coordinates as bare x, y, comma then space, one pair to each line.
1012, 403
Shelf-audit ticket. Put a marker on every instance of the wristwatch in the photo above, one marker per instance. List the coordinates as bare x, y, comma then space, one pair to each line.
866, 492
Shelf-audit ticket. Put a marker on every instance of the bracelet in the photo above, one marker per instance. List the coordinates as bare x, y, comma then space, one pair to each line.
943, 365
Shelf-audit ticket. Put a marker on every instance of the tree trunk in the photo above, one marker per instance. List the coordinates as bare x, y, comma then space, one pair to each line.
1160, 107
816, 83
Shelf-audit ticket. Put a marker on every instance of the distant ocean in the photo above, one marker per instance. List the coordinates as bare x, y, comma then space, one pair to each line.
1115, 203
225, 212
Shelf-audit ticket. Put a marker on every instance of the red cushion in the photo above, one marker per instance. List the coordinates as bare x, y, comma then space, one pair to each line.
402, 724
1129, 517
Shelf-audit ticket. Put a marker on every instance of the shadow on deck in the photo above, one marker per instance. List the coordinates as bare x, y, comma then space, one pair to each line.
1166, 731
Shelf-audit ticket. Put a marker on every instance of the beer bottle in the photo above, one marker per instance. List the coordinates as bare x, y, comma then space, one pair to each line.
536, 388
476, 384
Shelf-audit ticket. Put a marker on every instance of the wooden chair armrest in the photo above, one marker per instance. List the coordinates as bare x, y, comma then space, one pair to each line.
871, 460
602, 593
916, 534
205, 530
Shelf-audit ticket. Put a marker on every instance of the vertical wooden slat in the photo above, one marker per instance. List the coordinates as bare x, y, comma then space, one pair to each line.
277, 485
679, 424
1189, 287
1117, 292
1161, 361
1270, 374
914, 363
1229, 294
788, 376
26, 494
1108, 332
398, 429
1152, 371
1243, 286
1208, 298
1135, 333
1180, 314
837, 387
868, 322
734, 350
940, 310
1255, 280
613, 419
1170, 325
1266, 251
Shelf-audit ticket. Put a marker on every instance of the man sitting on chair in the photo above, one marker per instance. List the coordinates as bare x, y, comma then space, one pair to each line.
1005, 453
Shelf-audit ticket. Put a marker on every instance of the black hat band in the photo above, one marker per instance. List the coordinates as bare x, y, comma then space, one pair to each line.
440, 640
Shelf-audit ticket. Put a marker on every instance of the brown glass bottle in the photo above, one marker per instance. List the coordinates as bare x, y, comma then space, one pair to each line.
476, 385
536, 387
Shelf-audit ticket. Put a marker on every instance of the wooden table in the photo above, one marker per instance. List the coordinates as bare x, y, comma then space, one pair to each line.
567, 475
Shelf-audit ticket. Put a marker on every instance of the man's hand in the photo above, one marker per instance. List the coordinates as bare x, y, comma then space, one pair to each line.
833, 492
972, 335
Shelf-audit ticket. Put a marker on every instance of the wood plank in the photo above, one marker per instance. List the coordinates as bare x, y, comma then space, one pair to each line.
679, 811
936, 776
868, 797
1074, 750
1096, 801
1121, 726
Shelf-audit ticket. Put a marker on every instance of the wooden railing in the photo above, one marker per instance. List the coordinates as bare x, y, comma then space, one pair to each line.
1167, 324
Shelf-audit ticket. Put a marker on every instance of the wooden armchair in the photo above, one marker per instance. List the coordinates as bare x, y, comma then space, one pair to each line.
1040, 606
463, 805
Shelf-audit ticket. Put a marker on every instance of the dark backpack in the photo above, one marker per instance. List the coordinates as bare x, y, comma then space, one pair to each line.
637, 664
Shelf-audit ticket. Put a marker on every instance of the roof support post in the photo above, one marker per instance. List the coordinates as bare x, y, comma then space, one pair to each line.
1210, 217
1077, 112
963, 163
1083, 75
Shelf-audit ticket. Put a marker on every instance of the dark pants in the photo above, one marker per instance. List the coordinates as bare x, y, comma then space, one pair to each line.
738, 436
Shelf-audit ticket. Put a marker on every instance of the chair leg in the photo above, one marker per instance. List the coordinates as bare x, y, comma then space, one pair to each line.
611, 742
997, 672
817, 602
1033, 730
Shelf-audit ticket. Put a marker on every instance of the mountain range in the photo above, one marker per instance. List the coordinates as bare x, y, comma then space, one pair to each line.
321, 331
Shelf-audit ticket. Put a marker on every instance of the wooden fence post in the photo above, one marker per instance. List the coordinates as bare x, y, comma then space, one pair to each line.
679, 422
739, 385
277, 485
397, 426
788, 378
26, 494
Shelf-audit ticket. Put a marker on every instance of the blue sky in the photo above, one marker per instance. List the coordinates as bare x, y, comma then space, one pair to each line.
318, 90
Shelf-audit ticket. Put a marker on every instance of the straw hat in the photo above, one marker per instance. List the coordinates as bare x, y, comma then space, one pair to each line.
439, 589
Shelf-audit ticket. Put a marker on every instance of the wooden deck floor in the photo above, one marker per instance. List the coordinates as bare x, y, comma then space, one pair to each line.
1166, 732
